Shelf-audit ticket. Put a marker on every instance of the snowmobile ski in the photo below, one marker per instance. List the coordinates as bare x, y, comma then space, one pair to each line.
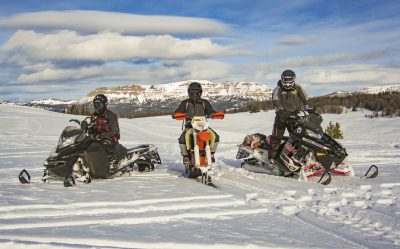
327, 181
69, 182
24, 177
206, 180
373, 175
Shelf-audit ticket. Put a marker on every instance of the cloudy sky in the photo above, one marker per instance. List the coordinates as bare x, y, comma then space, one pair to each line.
64, 49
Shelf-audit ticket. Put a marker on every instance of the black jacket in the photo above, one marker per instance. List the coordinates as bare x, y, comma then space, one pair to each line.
200, 107
106, 126
290, 101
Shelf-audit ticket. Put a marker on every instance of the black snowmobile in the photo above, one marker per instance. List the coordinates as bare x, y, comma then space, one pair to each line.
306, 152
78, 156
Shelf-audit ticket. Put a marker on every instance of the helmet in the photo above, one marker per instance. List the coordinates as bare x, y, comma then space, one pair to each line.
100, 103
288, 78
194, 91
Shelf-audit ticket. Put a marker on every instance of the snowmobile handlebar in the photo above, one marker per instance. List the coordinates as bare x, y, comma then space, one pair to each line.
179, 116
183, 116
76, 121
218, 115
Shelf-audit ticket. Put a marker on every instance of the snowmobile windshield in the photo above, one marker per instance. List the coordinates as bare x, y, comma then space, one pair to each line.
66, 141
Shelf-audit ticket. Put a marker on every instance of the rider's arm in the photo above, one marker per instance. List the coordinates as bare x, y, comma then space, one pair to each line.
276, 100
209, 110
303, 95
113, 127
181, 109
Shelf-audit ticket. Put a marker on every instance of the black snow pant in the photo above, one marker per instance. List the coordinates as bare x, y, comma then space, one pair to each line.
281, 123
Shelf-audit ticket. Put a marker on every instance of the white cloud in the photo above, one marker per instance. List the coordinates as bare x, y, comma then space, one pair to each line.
295, 40
329, 78
35, 89
28, 46
52, 74
96, 21
352, 73
181, 70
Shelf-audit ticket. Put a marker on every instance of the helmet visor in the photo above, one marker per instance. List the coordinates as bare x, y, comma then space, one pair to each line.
288, 81
194, 93
98, 105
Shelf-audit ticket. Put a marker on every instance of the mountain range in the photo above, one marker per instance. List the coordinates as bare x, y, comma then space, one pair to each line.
166, 97
367, 90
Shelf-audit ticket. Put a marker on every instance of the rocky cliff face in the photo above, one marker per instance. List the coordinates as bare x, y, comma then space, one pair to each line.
167, 96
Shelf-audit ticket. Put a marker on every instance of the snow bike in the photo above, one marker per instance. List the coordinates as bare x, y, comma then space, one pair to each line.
79, 156
306, 152
198, 139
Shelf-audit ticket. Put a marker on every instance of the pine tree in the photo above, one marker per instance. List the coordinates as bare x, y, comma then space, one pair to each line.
338, 132
334, 130
72, 110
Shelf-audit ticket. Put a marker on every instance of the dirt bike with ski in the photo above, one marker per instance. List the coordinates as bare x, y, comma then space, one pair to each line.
78, 156
198, 144
306, 152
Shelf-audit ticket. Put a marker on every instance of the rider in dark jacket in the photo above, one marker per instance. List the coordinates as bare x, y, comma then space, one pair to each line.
194, 106
288, 99
105, 124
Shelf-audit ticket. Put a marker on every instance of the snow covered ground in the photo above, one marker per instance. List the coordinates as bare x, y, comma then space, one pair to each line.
162, 209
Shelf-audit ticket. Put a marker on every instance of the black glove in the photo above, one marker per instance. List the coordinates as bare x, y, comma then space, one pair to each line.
279, 110
310, 109
90, 129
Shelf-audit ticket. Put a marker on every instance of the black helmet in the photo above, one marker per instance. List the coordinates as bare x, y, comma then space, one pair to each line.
100, 103
288, 78
194, 91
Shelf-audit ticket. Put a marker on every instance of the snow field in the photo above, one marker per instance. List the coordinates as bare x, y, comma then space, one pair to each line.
162, 209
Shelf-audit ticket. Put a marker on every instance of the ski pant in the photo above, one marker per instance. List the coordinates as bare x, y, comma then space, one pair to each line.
182, 141
115, 150
278, 130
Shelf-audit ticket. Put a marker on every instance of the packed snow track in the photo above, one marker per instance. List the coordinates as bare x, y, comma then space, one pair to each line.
163, 209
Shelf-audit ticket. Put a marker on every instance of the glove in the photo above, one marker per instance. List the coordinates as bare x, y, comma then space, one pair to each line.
218, 115
179, 116
279, 109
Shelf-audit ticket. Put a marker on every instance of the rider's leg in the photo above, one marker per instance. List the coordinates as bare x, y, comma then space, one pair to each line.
276, 137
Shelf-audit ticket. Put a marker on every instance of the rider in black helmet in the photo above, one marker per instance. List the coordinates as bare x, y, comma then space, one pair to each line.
194, 106
106, 126
288, 99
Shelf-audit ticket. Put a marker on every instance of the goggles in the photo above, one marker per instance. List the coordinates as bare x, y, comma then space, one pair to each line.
98, 105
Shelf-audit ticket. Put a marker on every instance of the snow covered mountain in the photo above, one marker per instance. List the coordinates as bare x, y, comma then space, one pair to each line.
339, 93
379, 89
57, 105
224, 94
367, 90
52, 101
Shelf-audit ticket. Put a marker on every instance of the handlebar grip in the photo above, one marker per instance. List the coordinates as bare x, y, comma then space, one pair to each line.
218, 115
179, 116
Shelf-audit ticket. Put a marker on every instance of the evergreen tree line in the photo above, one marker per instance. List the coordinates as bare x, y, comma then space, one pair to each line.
79, 110
143, 114
85, 110
387, 104
382, 104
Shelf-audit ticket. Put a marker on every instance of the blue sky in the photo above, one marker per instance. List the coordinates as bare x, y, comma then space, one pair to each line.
65, 49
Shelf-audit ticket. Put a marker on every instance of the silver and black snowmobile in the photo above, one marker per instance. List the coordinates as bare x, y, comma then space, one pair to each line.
79, 156
306, 152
